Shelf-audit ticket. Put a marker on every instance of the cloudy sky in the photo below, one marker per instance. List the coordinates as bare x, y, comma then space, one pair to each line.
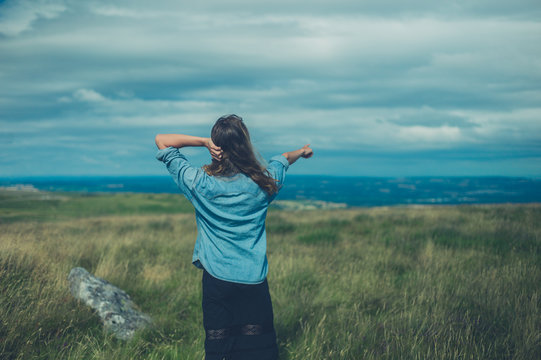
379, 88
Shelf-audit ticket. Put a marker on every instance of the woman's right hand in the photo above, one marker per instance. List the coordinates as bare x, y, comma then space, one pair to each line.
307, 152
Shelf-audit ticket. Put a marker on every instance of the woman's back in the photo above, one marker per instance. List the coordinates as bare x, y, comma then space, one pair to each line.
231, 196
230, 213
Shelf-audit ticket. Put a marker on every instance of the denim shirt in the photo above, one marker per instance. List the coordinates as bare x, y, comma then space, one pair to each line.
230, 213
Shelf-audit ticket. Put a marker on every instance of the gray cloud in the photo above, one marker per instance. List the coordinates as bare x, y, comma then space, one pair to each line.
347, 76
19, 16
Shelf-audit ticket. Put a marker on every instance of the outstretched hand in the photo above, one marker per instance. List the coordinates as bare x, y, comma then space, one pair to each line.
307, 152
215, 151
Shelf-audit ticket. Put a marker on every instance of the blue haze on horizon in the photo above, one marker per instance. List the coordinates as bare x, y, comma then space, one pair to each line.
379, 88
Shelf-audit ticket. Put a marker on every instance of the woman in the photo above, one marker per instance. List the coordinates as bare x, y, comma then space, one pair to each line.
231, 196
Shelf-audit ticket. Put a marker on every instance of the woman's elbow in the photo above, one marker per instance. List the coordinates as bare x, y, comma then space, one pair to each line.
159, 141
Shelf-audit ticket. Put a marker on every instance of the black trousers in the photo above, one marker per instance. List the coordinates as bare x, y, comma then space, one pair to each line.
238, 320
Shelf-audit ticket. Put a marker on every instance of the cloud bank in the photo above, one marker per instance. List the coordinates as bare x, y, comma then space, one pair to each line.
378, 88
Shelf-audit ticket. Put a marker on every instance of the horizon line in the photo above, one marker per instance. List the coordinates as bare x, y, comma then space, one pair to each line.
536, 177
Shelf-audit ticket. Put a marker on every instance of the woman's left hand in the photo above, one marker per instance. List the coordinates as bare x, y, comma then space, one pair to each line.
215, 151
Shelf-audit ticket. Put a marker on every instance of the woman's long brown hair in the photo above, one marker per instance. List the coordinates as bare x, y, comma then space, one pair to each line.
230, 133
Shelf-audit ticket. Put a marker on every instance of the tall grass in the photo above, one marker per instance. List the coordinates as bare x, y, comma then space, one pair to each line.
383, 283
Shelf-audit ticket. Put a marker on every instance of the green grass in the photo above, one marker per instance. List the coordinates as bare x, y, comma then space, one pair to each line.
457, 282
20, 206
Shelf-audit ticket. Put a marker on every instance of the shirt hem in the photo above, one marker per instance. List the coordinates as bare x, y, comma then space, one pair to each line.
203, 267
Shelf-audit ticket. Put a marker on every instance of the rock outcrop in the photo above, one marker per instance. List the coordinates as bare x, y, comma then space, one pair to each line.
113, 305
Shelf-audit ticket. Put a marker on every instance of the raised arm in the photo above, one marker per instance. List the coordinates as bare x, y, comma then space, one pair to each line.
305, 152
179, 140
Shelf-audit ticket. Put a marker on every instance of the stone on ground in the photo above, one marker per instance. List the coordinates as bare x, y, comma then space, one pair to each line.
113, 305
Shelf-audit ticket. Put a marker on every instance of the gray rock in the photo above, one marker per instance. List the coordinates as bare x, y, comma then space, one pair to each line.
113, 305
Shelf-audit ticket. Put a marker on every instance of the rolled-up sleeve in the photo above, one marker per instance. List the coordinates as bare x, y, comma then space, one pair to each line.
183, 173
277, 167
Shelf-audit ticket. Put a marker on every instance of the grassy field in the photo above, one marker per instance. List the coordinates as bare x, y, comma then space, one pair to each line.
454, 282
